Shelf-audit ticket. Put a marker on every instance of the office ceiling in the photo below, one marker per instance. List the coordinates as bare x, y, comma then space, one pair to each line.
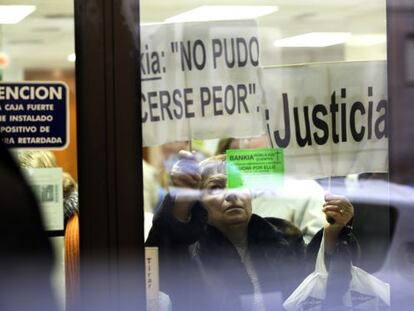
46, 37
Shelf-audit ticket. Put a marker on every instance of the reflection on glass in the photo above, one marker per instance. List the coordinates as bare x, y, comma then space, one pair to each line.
233, 229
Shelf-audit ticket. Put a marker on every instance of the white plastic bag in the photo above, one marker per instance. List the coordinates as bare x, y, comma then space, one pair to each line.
366, 292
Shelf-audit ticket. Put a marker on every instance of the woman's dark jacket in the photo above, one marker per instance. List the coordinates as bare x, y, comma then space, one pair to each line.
201, 270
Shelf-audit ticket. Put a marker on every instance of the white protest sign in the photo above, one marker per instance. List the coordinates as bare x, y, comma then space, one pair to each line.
200, 81
47, 186
330, 118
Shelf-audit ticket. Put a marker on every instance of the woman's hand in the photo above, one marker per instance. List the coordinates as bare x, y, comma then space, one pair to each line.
340, 210
185, 177
185, 172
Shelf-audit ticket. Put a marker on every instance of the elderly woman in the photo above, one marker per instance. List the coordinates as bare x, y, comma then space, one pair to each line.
216, 255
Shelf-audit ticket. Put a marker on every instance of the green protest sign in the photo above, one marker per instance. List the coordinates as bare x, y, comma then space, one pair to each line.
255, 168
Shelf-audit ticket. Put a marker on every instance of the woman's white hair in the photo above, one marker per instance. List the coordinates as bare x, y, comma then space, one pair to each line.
36, 159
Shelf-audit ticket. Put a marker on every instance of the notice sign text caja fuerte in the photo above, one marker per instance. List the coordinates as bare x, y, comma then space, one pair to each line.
34, 114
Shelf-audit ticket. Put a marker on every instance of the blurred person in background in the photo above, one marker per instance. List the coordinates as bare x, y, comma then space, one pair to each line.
70, 196
153, 194
36, 159
225, 144
46, 159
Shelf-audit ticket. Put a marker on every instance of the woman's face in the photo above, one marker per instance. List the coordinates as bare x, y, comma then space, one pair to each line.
225, 207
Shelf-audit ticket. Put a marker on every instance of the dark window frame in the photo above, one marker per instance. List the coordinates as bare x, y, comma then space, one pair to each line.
109, 155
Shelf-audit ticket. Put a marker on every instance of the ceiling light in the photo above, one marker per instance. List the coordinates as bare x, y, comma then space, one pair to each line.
223, 12
13, 14
367, 39
71, 57
314, 39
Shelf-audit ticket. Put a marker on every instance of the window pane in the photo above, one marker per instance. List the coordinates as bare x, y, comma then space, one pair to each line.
38, 110
294, 93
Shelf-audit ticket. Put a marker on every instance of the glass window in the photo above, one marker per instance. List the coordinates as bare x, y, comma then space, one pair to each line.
294, 93
38, 111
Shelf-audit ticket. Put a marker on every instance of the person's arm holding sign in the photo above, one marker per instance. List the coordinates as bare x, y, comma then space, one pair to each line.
185, 177
180, 219
177, 225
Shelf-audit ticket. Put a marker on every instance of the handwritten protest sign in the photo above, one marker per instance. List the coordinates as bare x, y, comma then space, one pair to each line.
198, 79
331, 119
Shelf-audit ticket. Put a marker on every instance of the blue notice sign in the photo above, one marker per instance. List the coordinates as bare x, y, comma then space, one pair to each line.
34, 114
